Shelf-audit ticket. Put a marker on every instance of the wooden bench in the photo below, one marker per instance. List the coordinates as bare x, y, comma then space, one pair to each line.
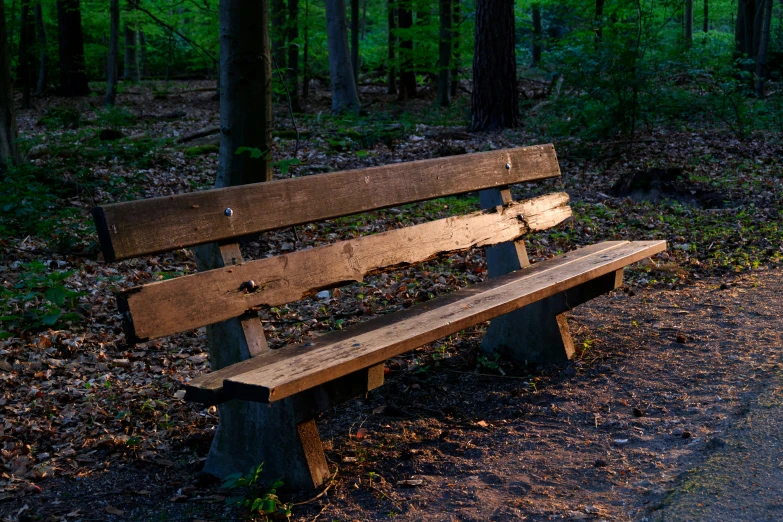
297, 382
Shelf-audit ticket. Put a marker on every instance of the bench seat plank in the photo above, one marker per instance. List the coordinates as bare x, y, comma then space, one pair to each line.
149, 226
281, 373
166, 307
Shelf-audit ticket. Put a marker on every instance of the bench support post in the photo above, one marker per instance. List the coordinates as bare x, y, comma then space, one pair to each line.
537, 333
282, 435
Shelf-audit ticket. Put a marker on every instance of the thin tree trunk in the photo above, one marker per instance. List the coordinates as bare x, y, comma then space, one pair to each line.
407, 73
688, 24
114, 52
599, 19
73, 78
455, 23
536, 58
344, 95
278, 37
364, 19
25, 64
495, 100
143, 54
8, 151
293, 54
306, 53
131, 68
391, 74
355, 40
42, 57
444, 73
706, 16
761, 59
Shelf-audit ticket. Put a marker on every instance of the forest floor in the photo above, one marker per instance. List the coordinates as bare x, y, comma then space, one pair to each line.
94, 429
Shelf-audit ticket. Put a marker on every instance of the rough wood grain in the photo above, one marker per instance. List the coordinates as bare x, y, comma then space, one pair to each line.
156, 225
299, 367
188, 302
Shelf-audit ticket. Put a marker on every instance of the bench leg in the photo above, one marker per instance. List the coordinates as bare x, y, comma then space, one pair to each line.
539, 333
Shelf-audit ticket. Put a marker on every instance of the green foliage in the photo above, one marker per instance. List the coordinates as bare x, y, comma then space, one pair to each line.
116, 117
39, 299
61, 118
258, 500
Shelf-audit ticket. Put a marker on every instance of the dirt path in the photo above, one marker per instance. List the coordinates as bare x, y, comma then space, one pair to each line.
669, 381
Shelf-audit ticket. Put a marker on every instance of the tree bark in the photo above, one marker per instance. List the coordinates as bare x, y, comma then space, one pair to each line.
758, 22
26, 64
355, 41
42, 57
536, 53
688, 23
761, 59
8, 151
407, 73
455, 23
278, 37
495, 100
73, 78
444, 74
344, 95
293, 54
114, 52
391, 73
131, 68
706, 16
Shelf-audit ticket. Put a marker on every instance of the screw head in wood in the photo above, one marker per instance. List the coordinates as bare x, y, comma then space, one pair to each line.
228, 212
508, 166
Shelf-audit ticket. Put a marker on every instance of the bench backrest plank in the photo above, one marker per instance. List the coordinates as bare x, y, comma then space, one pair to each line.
155, 225
188, 302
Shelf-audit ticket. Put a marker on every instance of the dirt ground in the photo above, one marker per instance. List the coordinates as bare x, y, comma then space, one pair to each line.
662, 378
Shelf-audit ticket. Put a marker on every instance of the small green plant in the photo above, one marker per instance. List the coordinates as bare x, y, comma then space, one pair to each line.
38, 300
259, 500
62, 118
116, 117
490, 362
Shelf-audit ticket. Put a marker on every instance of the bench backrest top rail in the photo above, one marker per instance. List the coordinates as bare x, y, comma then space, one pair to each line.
150, 226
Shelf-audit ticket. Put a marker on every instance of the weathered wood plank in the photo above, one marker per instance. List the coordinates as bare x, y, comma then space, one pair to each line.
299, 367
188, 302
156, 225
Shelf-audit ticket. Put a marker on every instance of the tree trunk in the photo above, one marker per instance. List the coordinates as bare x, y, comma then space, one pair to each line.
444, 74
495, 100
344, 95
391, 74
114, 52
688, 23
706, 16
364, 19
25, 65
599, 19
536, 59
73, 78
306, 53
456, 22
8, 152
293, 54
758, 22
355, 41
42, 57
278, 39
143, 54
131, 68
761, 59
407, 73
